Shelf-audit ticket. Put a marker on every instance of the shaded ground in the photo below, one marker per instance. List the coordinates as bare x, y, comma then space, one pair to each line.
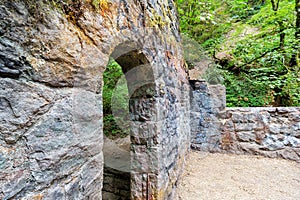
228, 177
117, 153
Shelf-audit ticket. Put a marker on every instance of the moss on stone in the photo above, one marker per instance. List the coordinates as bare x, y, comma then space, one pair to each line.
156, 20
100, 4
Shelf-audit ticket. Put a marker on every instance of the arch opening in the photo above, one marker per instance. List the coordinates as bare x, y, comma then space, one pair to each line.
131, 108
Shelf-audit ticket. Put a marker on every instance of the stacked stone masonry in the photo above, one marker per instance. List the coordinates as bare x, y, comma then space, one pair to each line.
52, 58
268, 131
116, 184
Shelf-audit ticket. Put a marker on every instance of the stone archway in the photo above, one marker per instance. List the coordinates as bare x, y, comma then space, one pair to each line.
142, 113
51, 66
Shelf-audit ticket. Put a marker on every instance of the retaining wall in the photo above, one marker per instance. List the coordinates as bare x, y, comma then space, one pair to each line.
268, 131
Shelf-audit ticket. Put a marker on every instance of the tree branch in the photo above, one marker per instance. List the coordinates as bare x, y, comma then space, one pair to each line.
262, 55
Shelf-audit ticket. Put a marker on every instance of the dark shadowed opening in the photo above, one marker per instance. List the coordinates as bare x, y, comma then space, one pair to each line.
136, 84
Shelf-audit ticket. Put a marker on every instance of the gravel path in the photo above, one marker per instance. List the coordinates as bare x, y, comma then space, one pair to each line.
229, 177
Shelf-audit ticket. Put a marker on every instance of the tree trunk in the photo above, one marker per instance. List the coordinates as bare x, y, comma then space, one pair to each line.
275, 5
281, 35
295, 58
297, 8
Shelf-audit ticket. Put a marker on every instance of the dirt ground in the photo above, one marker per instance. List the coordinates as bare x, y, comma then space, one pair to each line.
228, 177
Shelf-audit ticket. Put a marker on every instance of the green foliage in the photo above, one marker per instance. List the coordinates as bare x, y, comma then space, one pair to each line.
267, 17
120, 105
111, 129
291, 88
244, 92
242, 10
267, 60
201, 20
111, 76
261, 43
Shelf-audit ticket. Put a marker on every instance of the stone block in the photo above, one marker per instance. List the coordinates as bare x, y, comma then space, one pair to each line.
247, 136
275, 128
289, 154
295, 130
144, 186
145, 133
144, 159
271, 143
142, 109
244, 127
295, 116
238, 118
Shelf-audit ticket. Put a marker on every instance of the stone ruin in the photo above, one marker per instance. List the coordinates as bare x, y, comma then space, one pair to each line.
267, 131
53, 55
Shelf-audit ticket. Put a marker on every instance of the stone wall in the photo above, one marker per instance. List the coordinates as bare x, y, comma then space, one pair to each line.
116, 184
267, 131
52, 57
207, 101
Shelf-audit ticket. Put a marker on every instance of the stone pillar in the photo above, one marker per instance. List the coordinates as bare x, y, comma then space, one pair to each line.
207, 102
144, 149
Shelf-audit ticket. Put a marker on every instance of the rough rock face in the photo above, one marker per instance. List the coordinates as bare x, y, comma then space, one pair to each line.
52, 56
272, 132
